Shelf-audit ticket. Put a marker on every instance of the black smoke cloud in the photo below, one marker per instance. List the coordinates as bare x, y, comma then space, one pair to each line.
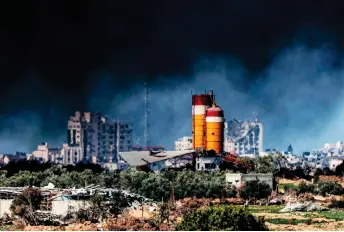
298, 98
61, 56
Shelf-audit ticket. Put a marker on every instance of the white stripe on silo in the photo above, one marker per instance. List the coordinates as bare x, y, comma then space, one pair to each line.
199, 109
214, 119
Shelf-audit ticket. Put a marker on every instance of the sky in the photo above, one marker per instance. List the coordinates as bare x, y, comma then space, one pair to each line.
281, 59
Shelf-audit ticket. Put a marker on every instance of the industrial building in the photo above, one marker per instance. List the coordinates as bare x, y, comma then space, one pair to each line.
207, 123
99, 138
155, 161
244, 137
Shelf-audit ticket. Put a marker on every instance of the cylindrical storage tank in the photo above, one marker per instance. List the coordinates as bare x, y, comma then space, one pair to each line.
200, 103
215, 126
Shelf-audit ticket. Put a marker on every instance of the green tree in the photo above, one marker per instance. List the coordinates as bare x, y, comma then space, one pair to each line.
255, 189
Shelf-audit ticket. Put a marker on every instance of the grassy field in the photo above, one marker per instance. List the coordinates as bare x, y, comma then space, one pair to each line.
265, 209
325, 220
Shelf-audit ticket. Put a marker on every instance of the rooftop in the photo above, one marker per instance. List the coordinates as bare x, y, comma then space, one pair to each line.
140, 158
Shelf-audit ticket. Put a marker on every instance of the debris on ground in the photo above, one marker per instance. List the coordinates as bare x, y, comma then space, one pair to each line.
307, 206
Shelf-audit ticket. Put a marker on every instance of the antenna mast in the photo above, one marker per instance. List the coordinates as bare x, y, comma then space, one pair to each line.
146, 101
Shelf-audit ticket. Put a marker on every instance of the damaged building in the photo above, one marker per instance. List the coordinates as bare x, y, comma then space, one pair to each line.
99, 138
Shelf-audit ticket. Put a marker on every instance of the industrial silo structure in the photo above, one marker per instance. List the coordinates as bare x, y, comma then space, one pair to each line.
200, 103
214, 129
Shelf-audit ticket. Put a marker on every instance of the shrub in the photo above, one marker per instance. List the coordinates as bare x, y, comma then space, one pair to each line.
307, 188
26, 203
337, 204
289, 187
221, 218
329, 187
255, 189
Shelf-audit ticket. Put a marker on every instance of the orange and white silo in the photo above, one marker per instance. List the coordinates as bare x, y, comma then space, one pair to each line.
200, 103
214, 129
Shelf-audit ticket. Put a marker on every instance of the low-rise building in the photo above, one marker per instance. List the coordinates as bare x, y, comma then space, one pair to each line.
12, 158
65, 155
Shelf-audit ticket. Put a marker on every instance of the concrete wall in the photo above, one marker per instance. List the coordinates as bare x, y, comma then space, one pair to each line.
5, 207
239, 179
62, 207
58, 207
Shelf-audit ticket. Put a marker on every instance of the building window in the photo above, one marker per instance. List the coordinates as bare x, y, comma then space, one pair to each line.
197, 165
210, 166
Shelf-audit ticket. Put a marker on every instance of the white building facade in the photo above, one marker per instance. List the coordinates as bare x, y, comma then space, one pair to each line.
67, 154
183, 144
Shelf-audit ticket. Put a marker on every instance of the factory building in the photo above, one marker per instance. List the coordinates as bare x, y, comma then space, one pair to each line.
207, 123
99, 138
183, 144
244, 137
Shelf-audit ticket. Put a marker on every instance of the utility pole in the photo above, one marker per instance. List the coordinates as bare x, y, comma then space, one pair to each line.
146, 102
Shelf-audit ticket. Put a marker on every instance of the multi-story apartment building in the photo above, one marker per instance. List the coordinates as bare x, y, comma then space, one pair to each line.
99, 138
244, 137
183, 144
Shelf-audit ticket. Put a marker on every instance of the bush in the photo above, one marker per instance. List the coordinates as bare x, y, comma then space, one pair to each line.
329, 187
289, 187
307, 188
26, 203
255, 189
337, 204
221, 218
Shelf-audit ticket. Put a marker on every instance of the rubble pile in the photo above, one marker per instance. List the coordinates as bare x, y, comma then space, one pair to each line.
307, 206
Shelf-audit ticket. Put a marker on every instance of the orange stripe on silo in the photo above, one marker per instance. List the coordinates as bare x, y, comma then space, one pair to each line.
215, 126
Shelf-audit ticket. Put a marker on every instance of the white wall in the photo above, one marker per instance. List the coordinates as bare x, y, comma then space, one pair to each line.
239, 179
5, 207
58, 207
62, 207
333, 163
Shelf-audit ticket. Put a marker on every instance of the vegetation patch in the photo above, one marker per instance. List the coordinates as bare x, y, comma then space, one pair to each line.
288, 221
289, 186
265, 209
334, 215
221, 218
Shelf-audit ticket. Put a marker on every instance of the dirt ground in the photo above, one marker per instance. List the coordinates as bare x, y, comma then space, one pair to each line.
324, 221
132, 219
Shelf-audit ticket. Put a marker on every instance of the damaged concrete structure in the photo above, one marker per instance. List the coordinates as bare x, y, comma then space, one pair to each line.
59, 202
239, 179
156, 161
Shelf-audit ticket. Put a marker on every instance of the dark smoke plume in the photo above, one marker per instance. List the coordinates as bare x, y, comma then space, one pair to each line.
298, 98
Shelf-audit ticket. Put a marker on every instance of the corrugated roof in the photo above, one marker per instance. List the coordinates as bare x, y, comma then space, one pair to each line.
139, 158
